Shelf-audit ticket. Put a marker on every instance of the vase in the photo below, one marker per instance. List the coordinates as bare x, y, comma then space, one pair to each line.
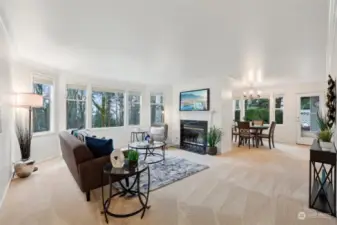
212, 150
325, 145
151, 140
133, 163
117, 158
24, 168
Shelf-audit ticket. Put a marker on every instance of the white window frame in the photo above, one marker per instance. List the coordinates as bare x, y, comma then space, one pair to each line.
77, 87
234, 107
158, 104
274, 108
103, 89
46, 80
127, 116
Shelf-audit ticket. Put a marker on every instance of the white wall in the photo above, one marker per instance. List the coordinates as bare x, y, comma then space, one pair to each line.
22, 77
5, 114
287, 132
220, 109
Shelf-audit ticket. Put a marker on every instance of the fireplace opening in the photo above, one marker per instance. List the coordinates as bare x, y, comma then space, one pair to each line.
193, 136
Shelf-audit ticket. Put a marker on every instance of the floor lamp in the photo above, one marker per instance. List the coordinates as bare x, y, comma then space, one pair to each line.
29, 101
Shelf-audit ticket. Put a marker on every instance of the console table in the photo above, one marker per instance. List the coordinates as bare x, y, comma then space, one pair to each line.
322, 179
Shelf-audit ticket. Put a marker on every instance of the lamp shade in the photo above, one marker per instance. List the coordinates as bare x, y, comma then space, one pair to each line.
29, 100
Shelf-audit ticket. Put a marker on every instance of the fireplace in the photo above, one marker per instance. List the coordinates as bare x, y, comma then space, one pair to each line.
193, 136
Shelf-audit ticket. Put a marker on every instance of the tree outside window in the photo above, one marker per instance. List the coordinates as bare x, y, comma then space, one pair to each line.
134, 108
76, 108
107, 109
41, 116
157, 108
257, 109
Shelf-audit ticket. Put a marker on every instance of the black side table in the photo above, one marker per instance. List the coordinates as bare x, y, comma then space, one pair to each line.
322, 179
133, 189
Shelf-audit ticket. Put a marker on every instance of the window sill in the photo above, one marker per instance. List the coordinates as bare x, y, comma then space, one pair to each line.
44, 133
104, 128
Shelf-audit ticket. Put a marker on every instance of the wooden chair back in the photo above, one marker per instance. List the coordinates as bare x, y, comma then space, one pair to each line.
257, 122
272, 129
244, 128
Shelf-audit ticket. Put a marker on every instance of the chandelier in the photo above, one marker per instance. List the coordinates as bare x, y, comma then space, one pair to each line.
253, 79
252, 94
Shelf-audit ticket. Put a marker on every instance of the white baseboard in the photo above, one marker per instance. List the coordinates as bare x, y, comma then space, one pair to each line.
5, 192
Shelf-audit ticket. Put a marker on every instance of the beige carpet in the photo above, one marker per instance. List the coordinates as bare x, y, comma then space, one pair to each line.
254, 186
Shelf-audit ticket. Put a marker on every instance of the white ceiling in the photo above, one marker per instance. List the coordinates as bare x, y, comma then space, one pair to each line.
164, 41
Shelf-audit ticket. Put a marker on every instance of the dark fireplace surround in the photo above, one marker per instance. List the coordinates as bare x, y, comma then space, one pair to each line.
193, 135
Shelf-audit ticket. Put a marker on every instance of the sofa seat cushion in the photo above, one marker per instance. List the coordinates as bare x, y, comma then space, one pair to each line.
99, 147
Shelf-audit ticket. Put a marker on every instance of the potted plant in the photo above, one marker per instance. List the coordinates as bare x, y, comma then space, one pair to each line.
133, 157
325, 134
25, 166
324, 138
213, 138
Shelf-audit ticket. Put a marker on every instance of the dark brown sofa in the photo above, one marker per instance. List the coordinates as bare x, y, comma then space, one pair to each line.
86, 170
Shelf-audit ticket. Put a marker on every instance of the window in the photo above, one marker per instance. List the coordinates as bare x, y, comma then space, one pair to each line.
257, 109
157, 108
76, 106
41, 116
107, 108
279, 110
237, 110
134, 108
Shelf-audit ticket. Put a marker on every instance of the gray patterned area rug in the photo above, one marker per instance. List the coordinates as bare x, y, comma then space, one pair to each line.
167, 172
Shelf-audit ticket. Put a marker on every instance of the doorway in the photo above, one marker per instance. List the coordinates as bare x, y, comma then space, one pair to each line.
308, 106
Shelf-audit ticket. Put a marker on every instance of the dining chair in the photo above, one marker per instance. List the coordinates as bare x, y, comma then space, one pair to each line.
270, 135
245, 133
257, 122
235, 132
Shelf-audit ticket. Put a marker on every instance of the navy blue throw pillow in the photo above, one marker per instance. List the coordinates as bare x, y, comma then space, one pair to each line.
99, 147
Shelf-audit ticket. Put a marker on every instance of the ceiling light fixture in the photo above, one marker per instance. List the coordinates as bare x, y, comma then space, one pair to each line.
253, 93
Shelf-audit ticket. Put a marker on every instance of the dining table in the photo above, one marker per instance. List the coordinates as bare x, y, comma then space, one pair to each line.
258, 129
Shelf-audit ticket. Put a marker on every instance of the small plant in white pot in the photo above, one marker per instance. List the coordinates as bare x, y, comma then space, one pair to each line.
213, 138
325, 137
325, 134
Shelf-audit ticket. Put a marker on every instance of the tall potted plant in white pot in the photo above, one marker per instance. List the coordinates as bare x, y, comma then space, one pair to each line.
25, 166
213, 138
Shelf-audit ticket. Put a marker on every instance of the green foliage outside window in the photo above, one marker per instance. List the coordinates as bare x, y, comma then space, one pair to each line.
257, 109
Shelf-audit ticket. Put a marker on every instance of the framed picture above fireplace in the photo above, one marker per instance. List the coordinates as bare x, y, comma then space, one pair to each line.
195, 100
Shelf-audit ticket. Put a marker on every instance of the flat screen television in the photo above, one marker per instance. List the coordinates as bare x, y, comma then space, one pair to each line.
196, 100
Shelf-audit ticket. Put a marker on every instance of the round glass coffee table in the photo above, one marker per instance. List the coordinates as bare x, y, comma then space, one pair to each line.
132, 190
150, 150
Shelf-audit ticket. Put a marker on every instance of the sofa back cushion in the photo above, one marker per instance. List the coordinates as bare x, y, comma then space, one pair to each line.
99, 147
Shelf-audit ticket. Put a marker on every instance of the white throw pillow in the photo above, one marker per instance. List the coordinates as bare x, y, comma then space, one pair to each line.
157, 130
157, 133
